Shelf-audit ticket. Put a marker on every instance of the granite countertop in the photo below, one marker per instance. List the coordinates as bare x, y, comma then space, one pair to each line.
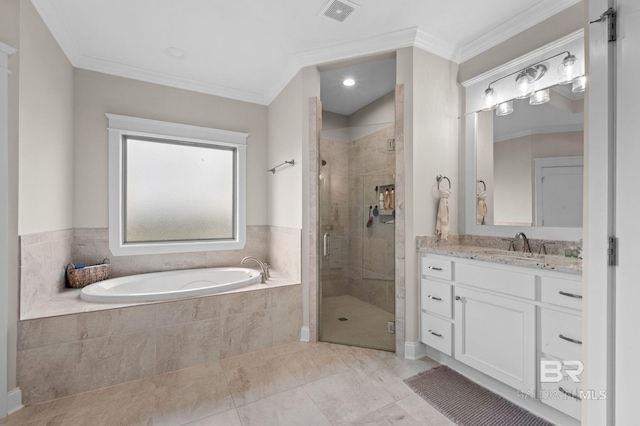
490, 253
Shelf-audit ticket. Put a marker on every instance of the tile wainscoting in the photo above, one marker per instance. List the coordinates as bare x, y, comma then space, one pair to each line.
66, 355
43, 257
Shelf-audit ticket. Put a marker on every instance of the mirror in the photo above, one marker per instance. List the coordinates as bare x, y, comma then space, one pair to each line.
524, 159
529, 164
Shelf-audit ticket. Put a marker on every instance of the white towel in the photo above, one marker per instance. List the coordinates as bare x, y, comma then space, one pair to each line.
442, 224
481, 212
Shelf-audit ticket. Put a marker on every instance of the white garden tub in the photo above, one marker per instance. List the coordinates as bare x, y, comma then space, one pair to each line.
169, 285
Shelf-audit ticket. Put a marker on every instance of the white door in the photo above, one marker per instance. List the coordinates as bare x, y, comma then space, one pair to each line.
627, 375
496, 336
558, 189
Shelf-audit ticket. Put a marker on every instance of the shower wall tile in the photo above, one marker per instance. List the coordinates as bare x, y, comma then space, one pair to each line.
66, 355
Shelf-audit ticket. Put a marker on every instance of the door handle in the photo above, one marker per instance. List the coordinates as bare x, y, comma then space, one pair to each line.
326, 244
569, 339
576, 296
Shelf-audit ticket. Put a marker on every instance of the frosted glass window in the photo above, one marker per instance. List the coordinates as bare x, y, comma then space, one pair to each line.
175, 188
177, 191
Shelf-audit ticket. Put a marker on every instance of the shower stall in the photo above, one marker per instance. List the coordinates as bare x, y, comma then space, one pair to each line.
357, 244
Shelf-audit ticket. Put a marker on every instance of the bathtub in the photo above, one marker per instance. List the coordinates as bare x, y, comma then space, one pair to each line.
169, 285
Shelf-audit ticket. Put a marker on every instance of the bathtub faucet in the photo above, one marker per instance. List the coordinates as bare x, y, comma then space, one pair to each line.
263, 265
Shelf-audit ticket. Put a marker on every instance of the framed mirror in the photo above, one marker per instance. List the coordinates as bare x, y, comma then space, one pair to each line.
524, 145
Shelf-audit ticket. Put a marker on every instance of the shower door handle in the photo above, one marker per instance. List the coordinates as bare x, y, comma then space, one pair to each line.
326, 244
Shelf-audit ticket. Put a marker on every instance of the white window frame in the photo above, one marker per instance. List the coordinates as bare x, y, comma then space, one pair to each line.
122, 126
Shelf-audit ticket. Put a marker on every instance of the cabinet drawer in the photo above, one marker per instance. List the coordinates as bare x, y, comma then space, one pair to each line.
507, 282
563, 395
435, 297
561, 334
561, 292
436, 332
436, 268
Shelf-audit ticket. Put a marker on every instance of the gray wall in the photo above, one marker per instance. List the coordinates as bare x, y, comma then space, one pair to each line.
96, 94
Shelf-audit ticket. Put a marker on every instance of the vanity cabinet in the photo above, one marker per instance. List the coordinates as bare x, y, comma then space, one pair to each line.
503, 321
496, 336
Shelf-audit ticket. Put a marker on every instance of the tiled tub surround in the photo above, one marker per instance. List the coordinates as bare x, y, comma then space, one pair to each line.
44, 255
494, 249
70, 354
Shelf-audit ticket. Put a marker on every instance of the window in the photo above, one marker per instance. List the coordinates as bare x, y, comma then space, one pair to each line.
175, 188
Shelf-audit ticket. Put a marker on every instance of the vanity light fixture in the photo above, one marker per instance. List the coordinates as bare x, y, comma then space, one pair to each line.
526, 78
540, 97
349, 82
579, 84
568, 69
489, 99
505, 108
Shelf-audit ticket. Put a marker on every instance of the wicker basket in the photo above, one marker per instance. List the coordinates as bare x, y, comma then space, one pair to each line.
79, 277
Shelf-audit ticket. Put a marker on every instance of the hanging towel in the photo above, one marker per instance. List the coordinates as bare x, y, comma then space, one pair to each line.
481, 212
442, 225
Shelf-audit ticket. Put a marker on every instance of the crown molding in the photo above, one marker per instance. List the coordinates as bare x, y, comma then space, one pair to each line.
437, 46
525, 59
357, 47
51, 16
156, 77
283, 80
522, 21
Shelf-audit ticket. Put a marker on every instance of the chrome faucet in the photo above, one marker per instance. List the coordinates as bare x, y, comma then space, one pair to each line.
525, 247
263, 265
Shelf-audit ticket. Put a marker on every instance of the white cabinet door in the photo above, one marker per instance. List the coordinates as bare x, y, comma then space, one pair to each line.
496, 336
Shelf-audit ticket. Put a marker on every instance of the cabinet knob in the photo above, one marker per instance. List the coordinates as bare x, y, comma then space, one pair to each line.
458, 298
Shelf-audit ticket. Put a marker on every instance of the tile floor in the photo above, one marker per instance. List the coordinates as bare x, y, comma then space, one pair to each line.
366, 325
295, 384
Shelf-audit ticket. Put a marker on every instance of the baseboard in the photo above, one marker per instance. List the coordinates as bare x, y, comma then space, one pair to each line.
14, 401
414, 350
304, 334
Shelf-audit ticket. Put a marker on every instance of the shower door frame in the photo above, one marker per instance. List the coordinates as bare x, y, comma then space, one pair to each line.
314, 297
5, 51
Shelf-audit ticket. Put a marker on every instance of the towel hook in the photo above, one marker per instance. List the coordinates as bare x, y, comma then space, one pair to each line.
439, 179
484, 185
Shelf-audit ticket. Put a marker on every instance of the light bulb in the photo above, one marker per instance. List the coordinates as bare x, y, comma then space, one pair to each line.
540, 97
505, 108
579, 84
568, 69
349, 82
524, 85
489, 99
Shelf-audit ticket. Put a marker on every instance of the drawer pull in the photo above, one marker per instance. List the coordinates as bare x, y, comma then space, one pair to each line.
434, 268
435, 334
576, 296
569, 339
577, 398
435, 298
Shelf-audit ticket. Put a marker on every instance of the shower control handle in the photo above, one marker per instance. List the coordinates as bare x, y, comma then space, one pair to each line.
326, 244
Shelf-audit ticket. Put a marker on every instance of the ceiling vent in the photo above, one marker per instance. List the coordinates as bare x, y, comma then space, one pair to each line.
338, 10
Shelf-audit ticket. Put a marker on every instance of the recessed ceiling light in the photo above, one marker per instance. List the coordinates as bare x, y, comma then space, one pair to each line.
349, 82
175, 53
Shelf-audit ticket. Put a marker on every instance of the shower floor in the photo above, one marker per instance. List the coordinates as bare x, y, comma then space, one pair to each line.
365, 324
